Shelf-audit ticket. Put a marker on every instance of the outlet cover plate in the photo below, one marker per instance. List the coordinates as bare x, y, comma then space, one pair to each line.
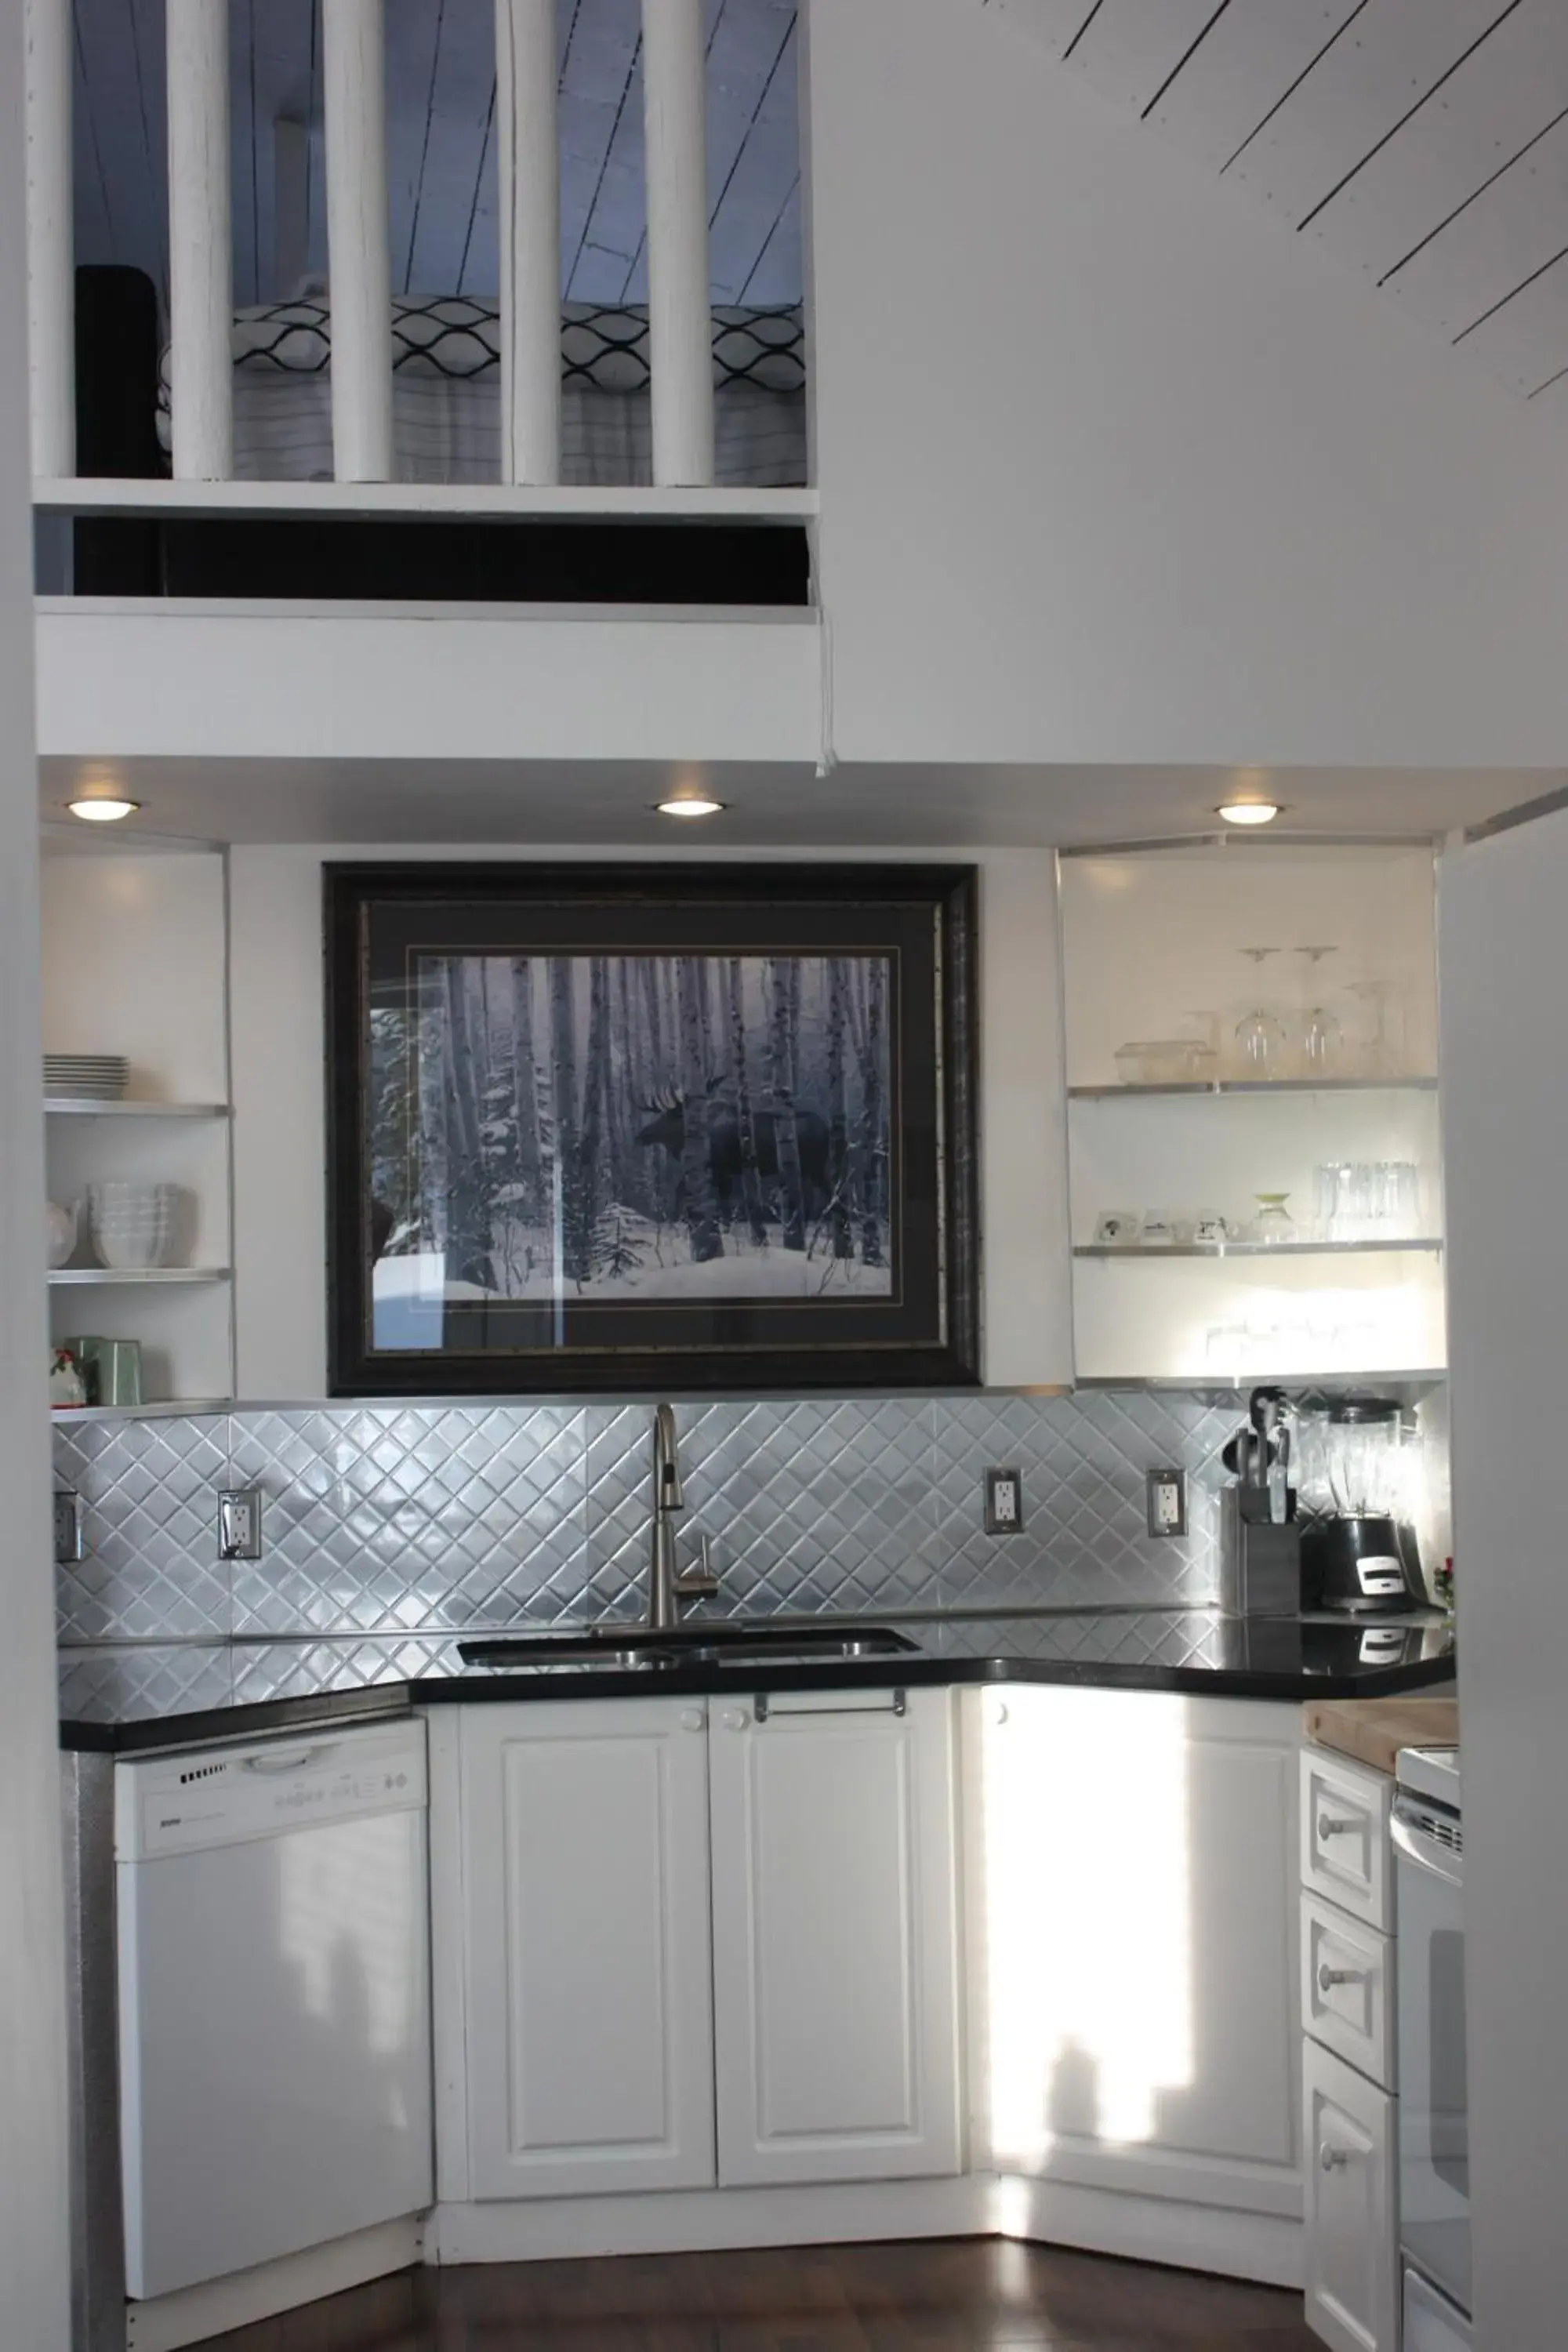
239, 1523
68, 1544
1004, 1502
1167, 1502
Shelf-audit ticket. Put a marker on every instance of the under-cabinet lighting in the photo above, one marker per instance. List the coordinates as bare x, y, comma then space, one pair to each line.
1248, 811
690, 805
102, 808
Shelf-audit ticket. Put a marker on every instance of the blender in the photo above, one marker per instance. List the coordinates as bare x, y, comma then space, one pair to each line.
1358, 1548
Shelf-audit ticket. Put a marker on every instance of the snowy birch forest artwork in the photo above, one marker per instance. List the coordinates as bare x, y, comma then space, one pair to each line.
635, 1128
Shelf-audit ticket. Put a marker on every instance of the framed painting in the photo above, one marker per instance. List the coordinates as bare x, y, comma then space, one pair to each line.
627, 1128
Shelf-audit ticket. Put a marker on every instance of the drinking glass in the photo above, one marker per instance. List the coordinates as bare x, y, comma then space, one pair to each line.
1333, 1183
1321, 1037
1260, 1035
1273, 1225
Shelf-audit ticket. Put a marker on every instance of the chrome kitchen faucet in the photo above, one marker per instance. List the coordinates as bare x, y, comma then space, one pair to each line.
666, 1587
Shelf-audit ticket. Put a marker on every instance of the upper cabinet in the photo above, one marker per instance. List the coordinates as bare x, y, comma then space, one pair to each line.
135, 1032
1252, 1112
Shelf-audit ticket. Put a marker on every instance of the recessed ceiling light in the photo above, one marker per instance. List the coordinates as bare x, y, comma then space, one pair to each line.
690, 805
1248, 811
102, 808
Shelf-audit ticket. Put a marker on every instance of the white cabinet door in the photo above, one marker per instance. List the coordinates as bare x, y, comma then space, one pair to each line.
1352, 2252
589, 2007
834, 1971
1133, 1906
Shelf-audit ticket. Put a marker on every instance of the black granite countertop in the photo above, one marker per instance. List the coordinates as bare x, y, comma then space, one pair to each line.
139, 1696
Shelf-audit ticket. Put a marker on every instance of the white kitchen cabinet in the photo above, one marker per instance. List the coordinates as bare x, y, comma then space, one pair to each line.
1350, 2157
588, 1988
834, 1936
1133, 1906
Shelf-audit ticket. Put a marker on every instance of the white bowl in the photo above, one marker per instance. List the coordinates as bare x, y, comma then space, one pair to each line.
132, 1225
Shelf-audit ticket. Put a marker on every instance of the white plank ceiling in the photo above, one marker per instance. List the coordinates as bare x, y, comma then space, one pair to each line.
440, 84
1425, 142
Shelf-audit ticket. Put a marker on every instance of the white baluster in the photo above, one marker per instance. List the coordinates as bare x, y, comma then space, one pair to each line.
354, 56
680, 351
201, 265
527, 157
52, 337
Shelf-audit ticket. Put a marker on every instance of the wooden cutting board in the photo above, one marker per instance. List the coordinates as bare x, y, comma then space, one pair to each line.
1373, 1730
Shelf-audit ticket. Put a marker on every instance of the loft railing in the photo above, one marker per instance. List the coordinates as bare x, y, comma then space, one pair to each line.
201, 298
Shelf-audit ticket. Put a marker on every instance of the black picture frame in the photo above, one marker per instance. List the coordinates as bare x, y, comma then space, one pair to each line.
410, 951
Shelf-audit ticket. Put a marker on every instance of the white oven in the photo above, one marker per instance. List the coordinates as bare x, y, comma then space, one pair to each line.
1434, 2123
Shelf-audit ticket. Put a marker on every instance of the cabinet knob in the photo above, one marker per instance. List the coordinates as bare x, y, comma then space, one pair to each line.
1330, 2158
734, 1719
1331, 1826
691, 1718
1329, 1978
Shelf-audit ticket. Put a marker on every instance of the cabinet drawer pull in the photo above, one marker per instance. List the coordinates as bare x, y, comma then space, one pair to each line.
766, 1710
1331, 2159
1334, 1825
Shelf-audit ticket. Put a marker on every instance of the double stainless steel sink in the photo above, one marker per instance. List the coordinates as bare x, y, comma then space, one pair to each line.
732, 1643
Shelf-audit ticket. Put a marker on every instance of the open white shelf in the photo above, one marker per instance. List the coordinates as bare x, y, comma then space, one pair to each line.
97, 1275
1219, 1375
1168, 946
1256, 1086
163, 1409
135, 959
84, 1107
1152, 1254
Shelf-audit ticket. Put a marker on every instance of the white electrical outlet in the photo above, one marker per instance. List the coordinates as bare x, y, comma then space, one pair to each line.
1004, 1502
239, 1523
1167, 1503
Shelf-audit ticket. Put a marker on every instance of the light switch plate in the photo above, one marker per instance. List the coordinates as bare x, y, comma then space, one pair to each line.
1004, 1502
239, 1523
1167, 1502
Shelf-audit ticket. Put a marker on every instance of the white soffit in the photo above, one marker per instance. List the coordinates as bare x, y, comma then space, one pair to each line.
770, 806
1424, 143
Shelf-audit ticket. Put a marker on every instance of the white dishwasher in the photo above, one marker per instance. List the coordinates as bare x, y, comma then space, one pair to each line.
274, 1997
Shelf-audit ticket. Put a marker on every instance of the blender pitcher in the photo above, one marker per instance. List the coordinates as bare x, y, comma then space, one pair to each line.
1359, 1553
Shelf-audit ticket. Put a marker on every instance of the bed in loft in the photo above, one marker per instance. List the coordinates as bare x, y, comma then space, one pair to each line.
445, 428
446, 393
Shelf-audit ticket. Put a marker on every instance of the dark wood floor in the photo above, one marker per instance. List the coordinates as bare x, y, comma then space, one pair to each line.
951, 2296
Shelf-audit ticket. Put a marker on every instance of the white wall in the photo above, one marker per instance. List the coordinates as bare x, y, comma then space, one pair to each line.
1114, 468
452, 683
1505, 1097
34, 2257
279, 1118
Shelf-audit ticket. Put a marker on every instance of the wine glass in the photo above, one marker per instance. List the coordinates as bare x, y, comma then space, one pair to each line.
1321, 1034
1260, 1035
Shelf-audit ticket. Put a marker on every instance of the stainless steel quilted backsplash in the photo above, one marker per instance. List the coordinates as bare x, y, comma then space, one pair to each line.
410, 1520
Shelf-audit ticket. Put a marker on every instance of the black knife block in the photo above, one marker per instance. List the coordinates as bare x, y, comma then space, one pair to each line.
1259, 1561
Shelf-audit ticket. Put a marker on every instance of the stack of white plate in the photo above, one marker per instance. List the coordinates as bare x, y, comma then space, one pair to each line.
91, 1078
